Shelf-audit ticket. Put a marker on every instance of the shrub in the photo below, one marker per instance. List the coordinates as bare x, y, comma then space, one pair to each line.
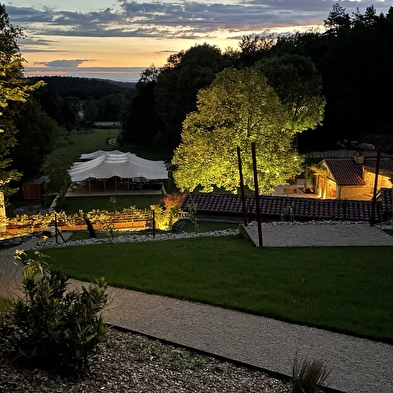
168, 214
192, 213
308, 376
53, 328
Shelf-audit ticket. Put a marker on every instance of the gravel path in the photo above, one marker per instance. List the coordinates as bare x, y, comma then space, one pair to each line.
284, 234
358, 365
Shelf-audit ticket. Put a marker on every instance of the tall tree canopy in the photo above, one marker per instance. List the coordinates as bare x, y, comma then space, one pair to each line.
298, 84
172, 92
13, 89
37, 134
238, 108
141, 123
354, 57
350, 68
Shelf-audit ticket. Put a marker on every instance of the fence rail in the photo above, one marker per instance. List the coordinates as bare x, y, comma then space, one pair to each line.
141, 220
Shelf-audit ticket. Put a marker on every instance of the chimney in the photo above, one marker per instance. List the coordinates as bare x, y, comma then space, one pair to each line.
359, 158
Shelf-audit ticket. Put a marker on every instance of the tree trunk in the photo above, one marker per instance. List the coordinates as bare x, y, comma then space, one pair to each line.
3, 216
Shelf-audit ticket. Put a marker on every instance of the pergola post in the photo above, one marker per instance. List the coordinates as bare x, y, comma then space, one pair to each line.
258, 208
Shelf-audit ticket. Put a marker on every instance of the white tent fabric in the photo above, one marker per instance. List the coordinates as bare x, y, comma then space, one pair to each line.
123, 165
95, 154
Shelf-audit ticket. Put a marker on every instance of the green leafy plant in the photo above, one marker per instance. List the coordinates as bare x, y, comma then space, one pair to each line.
192, 211
51, 327
308, 376
25, 224
109, 226
166, 215
177, 359
112, 200
287, 213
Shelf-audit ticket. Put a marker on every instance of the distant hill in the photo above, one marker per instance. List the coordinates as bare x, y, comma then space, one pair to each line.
86, 88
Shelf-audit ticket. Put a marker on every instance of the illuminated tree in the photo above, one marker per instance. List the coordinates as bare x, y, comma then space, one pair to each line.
13, 89
238, 108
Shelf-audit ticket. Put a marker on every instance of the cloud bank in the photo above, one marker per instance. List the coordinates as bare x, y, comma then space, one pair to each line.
167, 20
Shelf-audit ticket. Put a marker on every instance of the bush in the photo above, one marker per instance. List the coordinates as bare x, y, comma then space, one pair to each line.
308, 376
167, 215
53, 328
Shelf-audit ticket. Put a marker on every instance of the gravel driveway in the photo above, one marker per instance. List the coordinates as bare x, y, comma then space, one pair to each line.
282, 234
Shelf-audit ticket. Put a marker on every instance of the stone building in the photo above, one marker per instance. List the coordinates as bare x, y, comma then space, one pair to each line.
352, 178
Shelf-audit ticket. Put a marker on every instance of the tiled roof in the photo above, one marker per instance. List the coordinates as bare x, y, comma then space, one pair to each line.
304, 209
346, 172
385, 165
386, 200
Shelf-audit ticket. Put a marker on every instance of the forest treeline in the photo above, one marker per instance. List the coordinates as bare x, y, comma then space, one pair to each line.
349, 64
76, 102
353, 57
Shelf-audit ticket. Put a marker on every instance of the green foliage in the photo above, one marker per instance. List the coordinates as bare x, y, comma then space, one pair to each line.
165, 96
353, 44
167, 214
36, 138
287, 213
237, 109
37, 222
51, 327
141, 120
59, 178
29, 223
298, 84
192, 214
308, 376
4, 304
175, 358
13, 90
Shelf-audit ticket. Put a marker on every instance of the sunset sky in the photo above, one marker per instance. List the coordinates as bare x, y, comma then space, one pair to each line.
116, 39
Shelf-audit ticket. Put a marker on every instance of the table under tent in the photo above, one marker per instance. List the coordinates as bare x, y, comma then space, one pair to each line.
115, 171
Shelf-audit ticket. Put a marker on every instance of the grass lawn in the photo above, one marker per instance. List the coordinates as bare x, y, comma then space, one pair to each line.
88, 203
347, 289
69, 148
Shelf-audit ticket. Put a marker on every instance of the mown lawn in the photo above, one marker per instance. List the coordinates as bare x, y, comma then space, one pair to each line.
70, 147
88, 203
346, 289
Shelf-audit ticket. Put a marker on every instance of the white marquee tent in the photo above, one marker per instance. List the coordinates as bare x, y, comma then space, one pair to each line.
95, 154
104, 165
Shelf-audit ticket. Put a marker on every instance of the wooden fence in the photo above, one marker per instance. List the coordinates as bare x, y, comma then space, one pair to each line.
139, 221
